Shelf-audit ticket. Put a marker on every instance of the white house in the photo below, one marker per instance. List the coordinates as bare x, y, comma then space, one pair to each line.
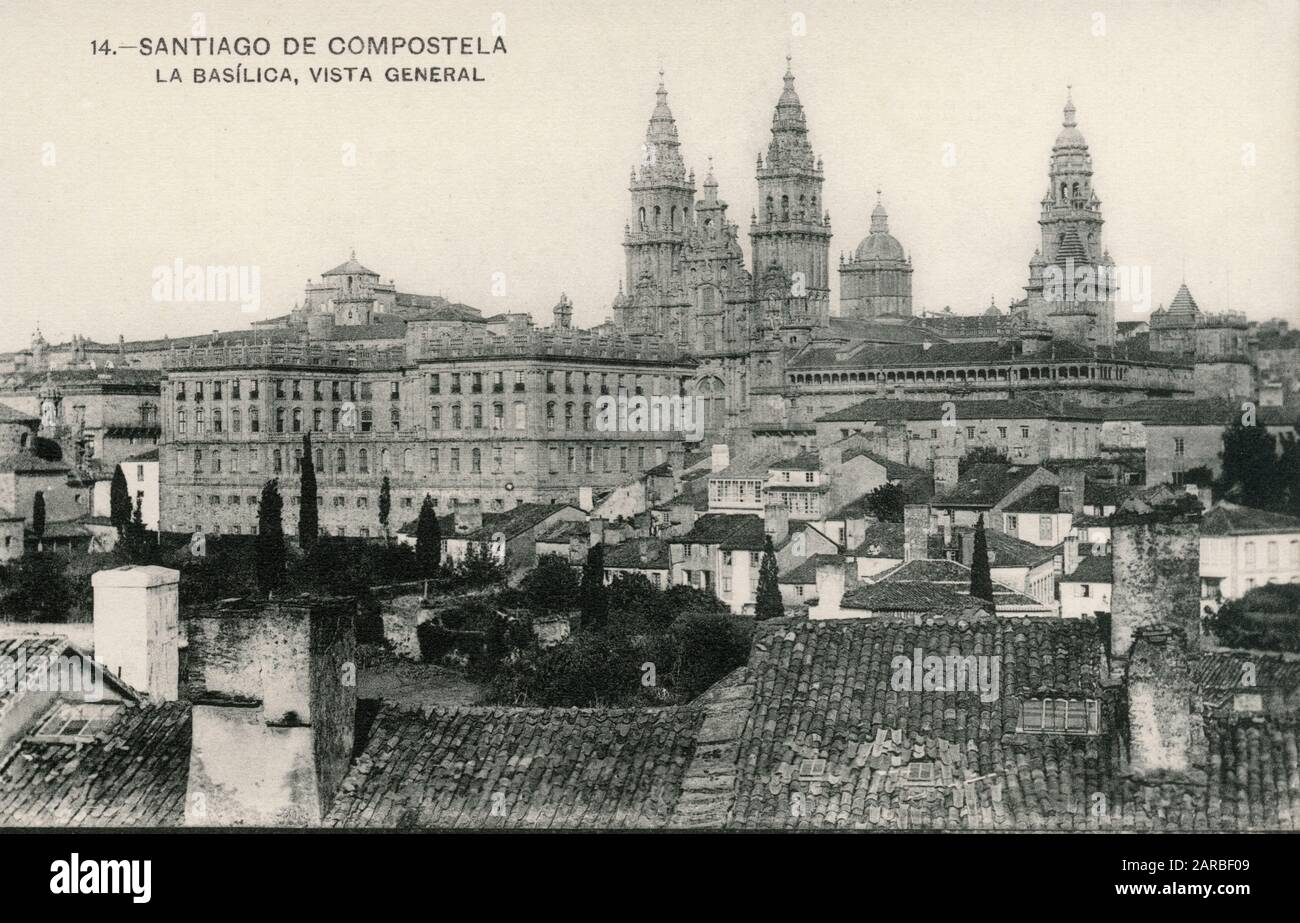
1242, 548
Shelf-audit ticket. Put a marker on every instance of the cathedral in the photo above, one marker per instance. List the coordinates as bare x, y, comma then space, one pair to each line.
687, 281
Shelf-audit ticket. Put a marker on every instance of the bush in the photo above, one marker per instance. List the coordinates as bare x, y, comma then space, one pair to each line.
37, 589
706, 647
1266, 618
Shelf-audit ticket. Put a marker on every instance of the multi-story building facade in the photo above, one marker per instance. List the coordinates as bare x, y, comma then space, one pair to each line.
1217, 344
499, 421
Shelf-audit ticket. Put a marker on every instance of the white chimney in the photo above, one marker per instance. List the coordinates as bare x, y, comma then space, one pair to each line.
830, 592
585, 501
721, 457
137, 628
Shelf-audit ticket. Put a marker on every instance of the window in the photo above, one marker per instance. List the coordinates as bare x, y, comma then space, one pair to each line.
521, 415
433, 460
812, 769
395, 420
520, 458
921, 772
478, 416
1060, 716
1024, 432
1045, 528
297, 419
180, 422
76, 722
970, 432
1180, 446
236, 424
408, 461
254, 423
363, 462
1250, 554
455, 416
476, 461
367, 420
317, 420
455, 461
1002, 432
340, 461
550, 416
385, 461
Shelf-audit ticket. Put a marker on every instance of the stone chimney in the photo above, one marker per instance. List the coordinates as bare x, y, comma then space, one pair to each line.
916, 532
721, 457
776, 522
469, 516
136, 630
595, 531
1166, 732
945, 468
1156, 563
586, 502
830, 592
274, 692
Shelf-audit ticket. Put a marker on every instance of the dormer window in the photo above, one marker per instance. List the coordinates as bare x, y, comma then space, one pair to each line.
73, 722
920, 772
1060, 716
812, 770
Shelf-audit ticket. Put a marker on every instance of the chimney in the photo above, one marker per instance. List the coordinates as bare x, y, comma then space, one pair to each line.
776, 522
1156, 583
966, 547
1070, 554
643, 550
1071, 490
1166, 733
274, 692
945, 468
595, 530
585, 500
578, 549
469, 516
136, 630
830, 591
721, 457
677, 460
916, 532
855, 532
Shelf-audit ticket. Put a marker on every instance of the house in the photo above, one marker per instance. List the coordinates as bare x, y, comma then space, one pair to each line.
721, 554
1242, 548
648, 557
915, 431
987, 489
880, 548
1022, 566
799, 583
1086, 591
956, 578
509, 537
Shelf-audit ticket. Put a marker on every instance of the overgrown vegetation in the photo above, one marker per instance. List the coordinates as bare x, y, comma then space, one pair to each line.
1267, 618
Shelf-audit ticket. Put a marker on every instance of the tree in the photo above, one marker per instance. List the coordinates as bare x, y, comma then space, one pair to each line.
886, 502
37, 588
981, 455
308, 514
269, 546
768, 605
595, 599
981, 576
385, 503
119, 502
135, 537
428, 540
38, 518
551, 586
1288, 466
1250, 474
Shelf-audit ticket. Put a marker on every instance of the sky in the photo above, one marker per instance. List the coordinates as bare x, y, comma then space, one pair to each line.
506, 192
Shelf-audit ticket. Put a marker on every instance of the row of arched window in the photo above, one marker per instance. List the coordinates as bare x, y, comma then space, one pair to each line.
287, 420
1030, 373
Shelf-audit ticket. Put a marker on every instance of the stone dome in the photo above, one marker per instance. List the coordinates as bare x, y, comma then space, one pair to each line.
879, 244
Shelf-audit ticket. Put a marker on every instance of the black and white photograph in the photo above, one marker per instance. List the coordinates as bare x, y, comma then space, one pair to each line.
677, 420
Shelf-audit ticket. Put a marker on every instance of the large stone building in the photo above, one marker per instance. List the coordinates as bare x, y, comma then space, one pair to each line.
1217, 344
492, 421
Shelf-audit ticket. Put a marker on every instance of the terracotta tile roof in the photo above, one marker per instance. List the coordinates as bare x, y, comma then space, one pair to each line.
1226, 518
885, 409
1004, 550
954, 577
133, 775
626, 555
729, 531
822, 691
542, 768
1091, 570
804, 461
916, 597
1225, 670
1045, 499
805, 573
984, 485
881, 540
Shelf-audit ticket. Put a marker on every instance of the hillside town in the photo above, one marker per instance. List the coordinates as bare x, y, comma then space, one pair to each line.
733, 558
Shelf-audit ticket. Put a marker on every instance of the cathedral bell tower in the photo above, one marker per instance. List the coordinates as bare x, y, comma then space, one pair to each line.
789, 231
663, 196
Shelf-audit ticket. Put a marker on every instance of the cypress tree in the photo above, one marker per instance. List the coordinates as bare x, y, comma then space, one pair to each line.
385, 503
595, 601
119, 502
428, 540
270, 539
308, 514
1251, 474
38, 518
981, 576
768, 605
